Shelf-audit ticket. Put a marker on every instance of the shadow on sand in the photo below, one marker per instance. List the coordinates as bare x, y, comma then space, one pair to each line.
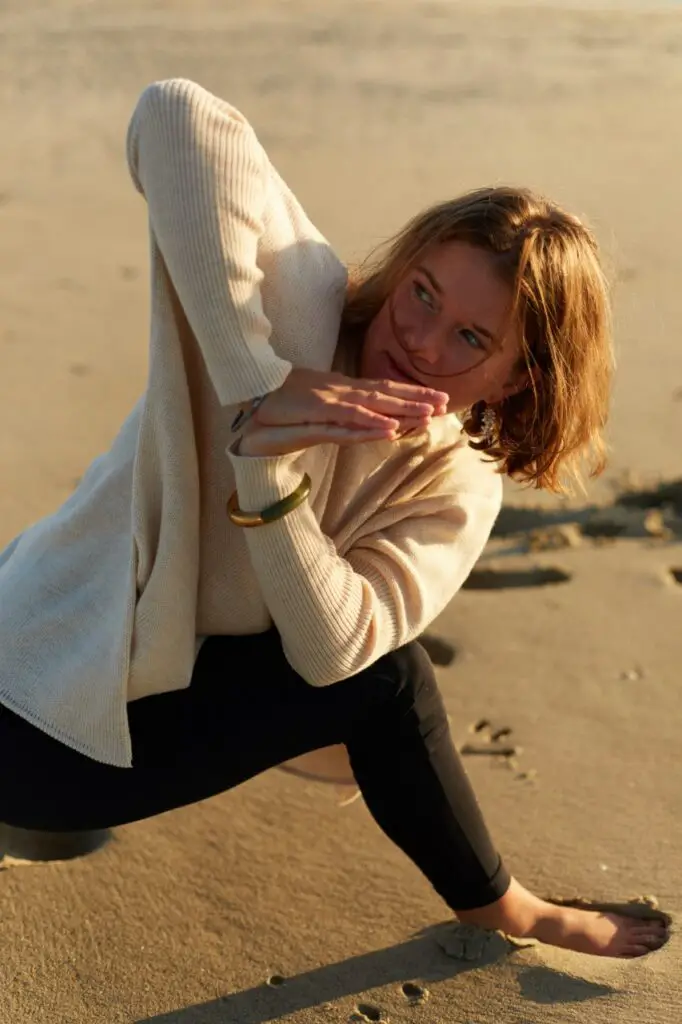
438, 954
624, 514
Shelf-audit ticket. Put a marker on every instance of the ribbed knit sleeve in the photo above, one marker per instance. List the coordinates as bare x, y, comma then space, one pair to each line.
337, 615
205, 178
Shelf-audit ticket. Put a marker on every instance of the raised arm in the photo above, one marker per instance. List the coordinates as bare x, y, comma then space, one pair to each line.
205, 178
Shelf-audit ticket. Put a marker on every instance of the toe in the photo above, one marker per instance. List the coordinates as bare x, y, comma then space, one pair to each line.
635, 950
636, 931
649, 936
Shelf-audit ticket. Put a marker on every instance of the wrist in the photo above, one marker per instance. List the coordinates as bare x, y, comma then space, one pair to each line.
246, 444
262, 480
246, 413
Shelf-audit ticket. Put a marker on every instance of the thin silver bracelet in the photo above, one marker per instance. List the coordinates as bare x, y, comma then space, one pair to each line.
244, 415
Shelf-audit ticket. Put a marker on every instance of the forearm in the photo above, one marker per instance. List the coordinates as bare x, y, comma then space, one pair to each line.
205, 179
331, 623
338, 613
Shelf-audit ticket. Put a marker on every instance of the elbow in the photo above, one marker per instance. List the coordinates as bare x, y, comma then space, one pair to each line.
164, 109
172, 114
318, 668
144, 113
323, 662
180, 99
161, 97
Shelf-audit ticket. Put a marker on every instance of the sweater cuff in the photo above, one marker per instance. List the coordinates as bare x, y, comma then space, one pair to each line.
263, 481
236, 384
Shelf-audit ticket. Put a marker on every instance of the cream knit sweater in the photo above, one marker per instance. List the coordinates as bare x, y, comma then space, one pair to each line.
101, 603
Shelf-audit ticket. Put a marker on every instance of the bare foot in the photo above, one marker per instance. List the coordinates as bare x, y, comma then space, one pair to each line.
524, 915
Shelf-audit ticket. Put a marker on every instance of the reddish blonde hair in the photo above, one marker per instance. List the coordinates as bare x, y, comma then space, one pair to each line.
551, 261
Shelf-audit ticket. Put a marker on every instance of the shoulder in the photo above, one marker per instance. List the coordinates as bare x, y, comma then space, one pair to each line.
474, 473
437, 474
463, 486
460, 469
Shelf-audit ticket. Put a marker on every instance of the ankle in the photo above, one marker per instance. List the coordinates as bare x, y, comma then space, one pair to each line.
518, 912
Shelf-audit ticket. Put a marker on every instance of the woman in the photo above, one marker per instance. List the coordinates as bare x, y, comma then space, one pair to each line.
241, 579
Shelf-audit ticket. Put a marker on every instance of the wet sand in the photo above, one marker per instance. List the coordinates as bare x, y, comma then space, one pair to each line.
564, 650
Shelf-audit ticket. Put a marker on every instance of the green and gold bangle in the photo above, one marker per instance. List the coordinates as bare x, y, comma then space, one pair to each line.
272, 513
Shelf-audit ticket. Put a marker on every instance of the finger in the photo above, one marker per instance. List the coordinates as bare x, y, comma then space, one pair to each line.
322, 408
356, 415
280, 440
359, 416
410, 392
391, 405
345, 436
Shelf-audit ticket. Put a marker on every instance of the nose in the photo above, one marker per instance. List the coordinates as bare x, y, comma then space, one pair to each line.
424, 344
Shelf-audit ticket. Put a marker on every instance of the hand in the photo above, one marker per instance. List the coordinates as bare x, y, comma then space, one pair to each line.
313, 407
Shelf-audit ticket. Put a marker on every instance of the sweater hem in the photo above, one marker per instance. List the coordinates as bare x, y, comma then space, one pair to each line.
60, 735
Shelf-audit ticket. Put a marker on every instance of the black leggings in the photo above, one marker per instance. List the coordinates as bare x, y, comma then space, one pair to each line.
246, 711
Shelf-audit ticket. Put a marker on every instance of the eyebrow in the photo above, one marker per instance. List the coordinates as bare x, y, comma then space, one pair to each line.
437, 287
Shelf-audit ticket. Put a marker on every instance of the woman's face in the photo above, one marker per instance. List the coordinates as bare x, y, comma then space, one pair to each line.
446, 325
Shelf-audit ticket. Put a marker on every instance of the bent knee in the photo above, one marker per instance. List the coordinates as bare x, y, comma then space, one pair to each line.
410, 671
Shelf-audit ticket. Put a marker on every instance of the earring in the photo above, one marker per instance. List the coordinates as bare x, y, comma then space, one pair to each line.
489, 424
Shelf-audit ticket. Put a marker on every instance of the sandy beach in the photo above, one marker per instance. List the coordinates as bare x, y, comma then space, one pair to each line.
560, 660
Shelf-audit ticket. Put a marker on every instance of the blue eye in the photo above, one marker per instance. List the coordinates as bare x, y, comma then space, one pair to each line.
471, 339
423, 294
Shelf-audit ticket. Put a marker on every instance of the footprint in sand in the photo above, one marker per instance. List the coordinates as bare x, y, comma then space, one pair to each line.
489, 750
490, 741
414, 993
512, 579
495, 742
469, 943
364, 1012
676, 575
